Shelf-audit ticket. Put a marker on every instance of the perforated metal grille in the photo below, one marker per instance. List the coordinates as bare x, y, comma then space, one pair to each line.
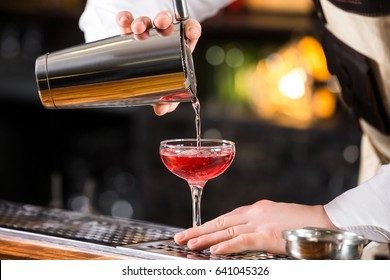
77, 226
172, 249
122, 235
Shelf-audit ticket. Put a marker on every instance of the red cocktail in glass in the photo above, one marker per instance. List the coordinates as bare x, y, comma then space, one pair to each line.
197, 162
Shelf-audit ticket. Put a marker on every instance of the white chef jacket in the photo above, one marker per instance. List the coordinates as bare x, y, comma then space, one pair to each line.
364, 209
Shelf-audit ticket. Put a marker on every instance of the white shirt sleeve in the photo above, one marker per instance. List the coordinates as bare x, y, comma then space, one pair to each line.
365, 209
98, 20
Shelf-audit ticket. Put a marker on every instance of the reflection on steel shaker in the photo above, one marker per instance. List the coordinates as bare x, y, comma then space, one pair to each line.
120, 71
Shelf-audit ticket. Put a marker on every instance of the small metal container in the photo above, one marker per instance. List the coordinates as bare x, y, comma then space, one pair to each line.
323, 244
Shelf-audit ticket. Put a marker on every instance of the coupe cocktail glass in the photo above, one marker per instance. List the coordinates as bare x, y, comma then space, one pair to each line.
197, 162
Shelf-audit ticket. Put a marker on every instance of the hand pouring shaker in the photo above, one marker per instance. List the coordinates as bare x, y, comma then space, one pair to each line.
120, 71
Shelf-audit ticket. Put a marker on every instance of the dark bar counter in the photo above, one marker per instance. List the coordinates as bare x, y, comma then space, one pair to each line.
34, 232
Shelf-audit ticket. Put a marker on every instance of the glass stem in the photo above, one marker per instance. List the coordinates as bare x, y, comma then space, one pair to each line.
196, 194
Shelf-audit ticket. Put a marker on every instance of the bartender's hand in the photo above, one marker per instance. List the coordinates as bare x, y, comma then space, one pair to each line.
255, 227
163, 22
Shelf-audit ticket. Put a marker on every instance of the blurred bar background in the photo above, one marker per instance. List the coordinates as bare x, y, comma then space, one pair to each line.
262, 81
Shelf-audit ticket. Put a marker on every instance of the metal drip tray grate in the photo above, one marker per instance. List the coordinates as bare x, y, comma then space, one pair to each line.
169, 247
77, 226
127, 237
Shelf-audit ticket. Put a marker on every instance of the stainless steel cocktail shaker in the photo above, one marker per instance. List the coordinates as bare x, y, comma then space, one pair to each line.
120, 71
